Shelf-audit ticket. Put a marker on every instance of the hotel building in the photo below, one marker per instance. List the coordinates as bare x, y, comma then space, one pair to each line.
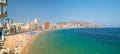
46, 25
3, 14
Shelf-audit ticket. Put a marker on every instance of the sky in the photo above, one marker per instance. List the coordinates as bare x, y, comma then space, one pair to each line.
101, 12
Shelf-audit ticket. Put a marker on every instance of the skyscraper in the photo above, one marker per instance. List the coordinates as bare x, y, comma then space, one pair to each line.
36, 21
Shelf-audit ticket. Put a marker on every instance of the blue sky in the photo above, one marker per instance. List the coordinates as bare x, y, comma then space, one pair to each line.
101, 12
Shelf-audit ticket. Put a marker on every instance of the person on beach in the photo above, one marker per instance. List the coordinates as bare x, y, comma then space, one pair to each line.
4, 51
16, 50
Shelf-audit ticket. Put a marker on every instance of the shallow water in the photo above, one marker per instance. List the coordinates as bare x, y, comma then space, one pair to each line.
77, 41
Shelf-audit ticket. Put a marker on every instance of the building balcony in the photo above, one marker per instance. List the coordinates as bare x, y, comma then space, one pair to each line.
3, 2
1, 28
3, 15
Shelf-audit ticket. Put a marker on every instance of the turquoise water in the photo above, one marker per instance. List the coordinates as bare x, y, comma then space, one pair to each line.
77, 41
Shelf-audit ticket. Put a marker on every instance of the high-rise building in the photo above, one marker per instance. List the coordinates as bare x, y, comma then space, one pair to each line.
36, 24
36, 21
3, 14
46, 25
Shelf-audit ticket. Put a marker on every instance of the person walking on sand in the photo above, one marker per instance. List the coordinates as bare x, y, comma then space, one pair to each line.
16, 50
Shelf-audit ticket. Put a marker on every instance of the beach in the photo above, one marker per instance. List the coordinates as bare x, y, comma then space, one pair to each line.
77, 41
19, 43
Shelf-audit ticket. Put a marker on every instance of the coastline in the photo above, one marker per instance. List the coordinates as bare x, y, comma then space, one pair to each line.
85, 44
28, 44
33, 37
21, 41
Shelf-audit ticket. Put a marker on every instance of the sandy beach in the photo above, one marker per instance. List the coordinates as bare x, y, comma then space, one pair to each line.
20, 41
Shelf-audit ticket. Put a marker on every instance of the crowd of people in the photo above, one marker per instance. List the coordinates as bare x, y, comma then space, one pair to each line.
14, 43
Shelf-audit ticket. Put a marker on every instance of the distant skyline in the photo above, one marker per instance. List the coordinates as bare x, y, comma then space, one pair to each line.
101, 12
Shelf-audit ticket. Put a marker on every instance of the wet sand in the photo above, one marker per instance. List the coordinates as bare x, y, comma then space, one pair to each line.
25, 48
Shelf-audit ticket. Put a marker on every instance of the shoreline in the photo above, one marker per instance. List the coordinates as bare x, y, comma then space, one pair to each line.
33, 37
21, 41
28, 44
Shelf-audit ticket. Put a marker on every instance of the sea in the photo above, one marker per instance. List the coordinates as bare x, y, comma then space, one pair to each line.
77, 41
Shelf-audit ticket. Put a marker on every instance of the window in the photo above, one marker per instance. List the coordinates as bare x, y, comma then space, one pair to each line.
0, 34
